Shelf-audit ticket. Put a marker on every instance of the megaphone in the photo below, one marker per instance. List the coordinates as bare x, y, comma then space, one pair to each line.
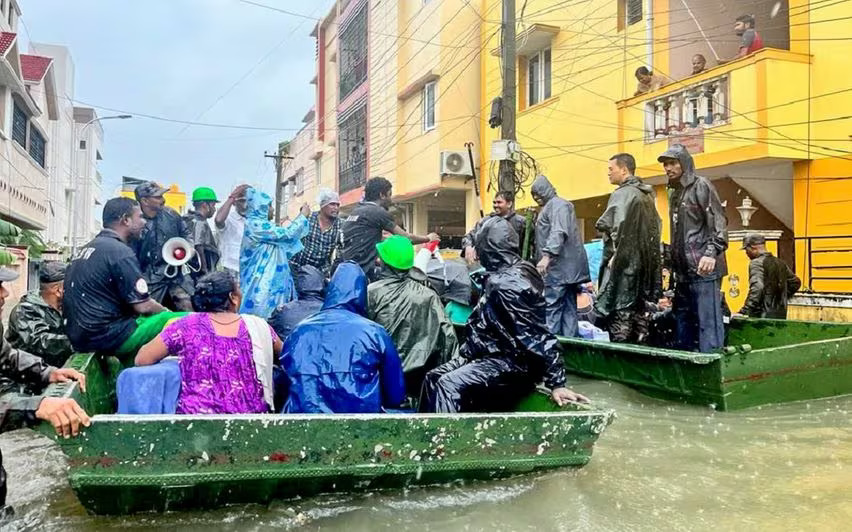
177, 252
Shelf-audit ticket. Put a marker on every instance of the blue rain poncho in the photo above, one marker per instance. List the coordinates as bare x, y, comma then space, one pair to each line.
338, 361
265, 278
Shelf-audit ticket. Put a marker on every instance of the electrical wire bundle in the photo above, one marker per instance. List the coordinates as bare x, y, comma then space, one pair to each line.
526, 169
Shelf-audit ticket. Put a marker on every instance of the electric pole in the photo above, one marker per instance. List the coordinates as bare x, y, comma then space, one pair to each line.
506, 181
278, 183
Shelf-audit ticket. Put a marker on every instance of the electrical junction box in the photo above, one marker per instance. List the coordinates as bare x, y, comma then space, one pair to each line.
505, 150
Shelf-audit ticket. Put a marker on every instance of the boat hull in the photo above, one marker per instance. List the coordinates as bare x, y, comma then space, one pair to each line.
765, 362
123, 464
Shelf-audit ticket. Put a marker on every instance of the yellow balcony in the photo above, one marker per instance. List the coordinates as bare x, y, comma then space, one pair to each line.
751, 109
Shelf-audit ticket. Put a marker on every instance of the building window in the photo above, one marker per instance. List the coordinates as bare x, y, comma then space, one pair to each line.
352, 150
429, 106
353, 53
299, 182
318, 172
538, 77
37, 146
19, 126
634, 11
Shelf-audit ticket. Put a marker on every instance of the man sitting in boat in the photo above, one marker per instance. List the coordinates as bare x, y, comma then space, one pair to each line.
310, 287
36, 323
18, 369
402, 302
508, 348
338, 361
107, 305
226, 358
770, 281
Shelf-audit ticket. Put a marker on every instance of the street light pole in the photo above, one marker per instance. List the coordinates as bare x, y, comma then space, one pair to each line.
76, 183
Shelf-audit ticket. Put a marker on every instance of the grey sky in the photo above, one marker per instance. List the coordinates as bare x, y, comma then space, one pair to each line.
174, 58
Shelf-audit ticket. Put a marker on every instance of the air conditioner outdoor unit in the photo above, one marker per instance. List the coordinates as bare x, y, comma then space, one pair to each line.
455, 163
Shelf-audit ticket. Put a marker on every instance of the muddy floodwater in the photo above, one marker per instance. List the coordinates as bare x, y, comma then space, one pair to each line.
660, 466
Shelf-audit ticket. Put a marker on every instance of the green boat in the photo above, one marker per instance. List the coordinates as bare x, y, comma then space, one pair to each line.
124, 464
765, 362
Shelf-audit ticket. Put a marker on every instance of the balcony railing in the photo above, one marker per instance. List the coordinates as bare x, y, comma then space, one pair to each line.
353, 174
701, 105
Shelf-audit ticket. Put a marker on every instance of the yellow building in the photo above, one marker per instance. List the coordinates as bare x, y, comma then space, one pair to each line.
770, 126
174, 197
398, 95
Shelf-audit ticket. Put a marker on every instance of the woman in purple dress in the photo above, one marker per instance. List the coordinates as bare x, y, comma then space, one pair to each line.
225, 358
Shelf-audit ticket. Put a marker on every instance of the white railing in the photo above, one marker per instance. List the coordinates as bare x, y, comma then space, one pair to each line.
704, 104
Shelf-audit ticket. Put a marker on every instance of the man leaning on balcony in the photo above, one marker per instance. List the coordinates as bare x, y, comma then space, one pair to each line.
751, 40
699, 238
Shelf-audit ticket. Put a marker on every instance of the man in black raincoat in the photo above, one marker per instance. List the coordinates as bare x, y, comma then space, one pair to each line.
504, 206
562, 259
168, 286
631, 274
507, 348
310, 286
699, 240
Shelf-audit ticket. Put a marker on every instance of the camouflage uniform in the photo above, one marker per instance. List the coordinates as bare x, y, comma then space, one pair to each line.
36, 327
18, 368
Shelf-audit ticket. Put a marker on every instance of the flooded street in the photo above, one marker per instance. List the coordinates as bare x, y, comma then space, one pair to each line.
659, 466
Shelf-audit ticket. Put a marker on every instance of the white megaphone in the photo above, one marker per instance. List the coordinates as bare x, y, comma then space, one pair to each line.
177, 252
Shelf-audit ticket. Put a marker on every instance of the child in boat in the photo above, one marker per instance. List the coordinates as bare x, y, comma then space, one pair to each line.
226, 358
508, 348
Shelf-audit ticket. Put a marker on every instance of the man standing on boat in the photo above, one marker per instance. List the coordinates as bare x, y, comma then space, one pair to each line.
364, 227
173, 291
562, 259
770, 281
508, 348
699, 240
630, 274
18, 369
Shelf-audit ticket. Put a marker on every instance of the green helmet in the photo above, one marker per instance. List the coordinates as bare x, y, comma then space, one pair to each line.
203, 194
397, 252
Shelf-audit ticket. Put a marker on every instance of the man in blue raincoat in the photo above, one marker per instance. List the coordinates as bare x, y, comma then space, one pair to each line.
310, 285
265, 278
338, 361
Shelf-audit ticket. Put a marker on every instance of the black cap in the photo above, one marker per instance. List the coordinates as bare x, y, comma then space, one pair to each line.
52, 271
753, 239
670, 153
150, 189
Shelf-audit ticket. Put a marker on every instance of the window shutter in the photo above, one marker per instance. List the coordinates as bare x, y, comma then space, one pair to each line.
19, 126
37, 146
634, 11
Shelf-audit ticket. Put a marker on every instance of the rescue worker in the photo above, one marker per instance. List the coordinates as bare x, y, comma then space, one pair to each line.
36, 325
630, 275
699, 240
168, 285
338, 361
20, 369
310, 287
562, 258
507, 348
197, 223
504, 206
364, 227
770, 281
108, 308
404, 304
